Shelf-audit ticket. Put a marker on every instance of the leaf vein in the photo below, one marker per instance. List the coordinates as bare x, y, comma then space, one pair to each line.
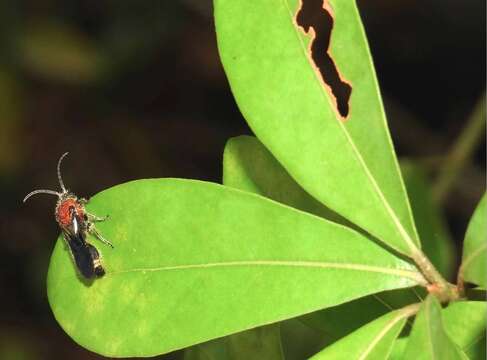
410, 274
406, 312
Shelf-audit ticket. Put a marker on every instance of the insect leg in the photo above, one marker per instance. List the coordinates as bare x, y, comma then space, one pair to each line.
94, 218
92, 230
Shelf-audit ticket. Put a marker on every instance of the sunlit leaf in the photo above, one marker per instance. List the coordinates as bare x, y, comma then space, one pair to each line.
350, 166
192, 260
248, 165
398, 349
265, 341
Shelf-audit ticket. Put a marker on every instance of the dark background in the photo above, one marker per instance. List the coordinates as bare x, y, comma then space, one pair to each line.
135, 89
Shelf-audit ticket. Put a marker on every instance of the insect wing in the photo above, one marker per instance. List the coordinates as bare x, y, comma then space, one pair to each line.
95, 256
82, 254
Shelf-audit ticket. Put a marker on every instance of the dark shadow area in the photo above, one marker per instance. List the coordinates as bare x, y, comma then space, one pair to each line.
312, 15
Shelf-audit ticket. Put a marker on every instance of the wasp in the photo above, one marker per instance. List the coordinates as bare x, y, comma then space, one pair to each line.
75, 223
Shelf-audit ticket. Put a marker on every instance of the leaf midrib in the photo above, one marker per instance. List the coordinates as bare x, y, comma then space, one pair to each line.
409, 274
406, 312
399, 227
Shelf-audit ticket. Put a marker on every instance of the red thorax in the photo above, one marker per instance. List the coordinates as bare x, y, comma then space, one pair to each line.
63, 211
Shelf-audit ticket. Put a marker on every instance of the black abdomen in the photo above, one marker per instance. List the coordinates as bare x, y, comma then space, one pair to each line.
86, 257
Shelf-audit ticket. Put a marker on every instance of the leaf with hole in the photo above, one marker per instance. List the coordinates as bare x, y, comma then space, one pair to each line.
349, 166
474, 256
192, 260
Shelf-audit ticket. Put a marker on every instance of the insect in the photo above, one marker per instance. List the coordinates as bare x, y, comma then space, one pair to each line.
75, 223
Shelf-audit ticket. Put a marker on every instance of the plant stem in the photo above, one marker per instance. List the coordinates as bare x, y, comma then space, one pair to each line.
443, 290
461, 151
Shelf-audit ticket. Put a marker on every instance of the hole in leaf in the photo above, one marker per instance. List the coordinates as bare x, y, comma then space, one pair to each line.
315, 18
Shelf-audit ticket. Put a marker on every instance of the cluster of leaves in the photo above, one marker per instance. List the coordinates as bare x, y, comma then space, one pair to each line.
313, 219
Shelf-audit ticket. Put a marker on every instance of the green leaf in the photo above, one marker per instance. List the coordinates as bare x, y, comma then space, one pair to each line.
428, 338
398, 348
261, 343
339, 321
372, 341
474, 257
265, 342
349, 166
248, 165
436, 241
192, 260
465, 322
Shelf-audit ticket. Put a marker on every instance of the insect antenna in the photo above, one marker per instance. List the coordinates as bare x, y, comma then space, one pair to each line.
41, 192
51, 192
61, 183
